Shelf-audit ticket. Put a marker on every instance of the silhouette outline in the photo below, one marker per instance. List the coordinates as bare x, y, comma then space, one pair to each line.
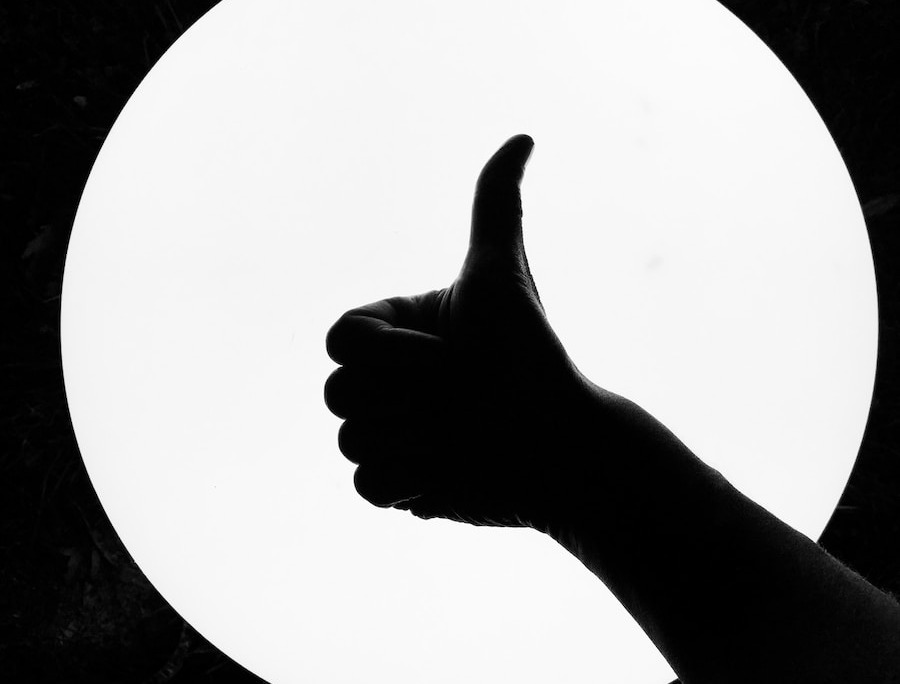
461, 403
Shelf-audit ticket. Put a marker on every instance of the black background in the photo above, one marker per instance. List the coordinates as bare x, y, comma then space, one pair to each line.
73, 606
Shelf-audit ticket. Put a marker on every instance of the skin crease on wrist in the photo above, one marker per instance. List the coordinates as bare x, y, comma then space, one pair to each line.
462, 403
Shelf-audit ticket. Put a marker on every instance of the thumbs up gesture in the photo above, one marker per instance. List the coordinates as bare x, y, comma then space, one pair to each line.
461, 402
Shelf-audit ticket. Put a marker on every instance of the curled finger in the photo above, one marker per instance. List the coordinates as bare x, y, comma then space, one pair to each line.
372, 392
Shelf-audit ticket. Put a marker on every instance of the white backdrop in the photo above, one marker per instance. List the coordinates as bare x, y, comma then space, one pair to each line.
694, 234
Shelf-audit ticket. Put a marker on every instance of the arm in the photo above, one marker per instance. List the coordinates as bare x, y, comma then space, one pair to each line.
461, 403
725, 590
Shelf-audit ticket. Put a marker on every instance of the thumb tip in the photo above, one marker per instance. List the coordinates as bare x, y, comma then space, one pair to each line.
497, 209
518, 149
510, 159
522, 140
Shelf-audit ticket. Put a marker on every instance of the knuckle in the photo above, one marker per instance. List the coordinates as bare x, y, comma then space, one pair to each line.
384, 486
370, 487
335, 392
335, 338
349, 441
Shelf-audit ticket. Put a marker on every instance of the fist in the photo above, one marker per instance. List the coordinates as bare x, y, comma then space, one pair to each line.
461, 402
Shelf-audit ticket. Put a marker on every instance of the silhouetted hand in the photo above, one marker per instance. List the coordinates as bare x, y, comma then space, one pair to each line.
460, 402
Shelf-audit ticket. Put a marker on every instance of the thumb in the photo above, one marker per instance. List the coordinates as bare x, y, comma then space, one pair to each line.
497, 209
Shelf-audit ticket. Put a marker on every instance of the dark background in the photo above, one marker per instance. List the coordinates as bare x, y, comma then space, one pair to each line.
73, 606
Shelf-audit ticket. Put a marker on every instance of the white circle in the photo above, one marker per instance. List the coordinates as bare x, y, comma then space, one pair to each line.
690, 225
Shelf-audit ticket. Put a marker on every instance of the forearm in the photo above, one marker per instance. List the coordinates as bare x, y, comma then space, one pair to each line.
725, 590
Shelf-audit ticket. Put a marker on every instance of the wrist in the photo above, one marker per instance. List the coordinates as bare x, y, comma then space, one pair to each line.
624, 475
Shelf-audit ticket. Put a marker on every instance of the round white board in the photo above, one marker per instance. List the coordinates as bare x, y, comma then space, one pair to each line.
694, 234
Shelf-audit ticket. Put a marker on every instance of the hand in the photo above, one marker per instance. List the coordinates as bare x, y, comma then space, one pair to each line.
460, 402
